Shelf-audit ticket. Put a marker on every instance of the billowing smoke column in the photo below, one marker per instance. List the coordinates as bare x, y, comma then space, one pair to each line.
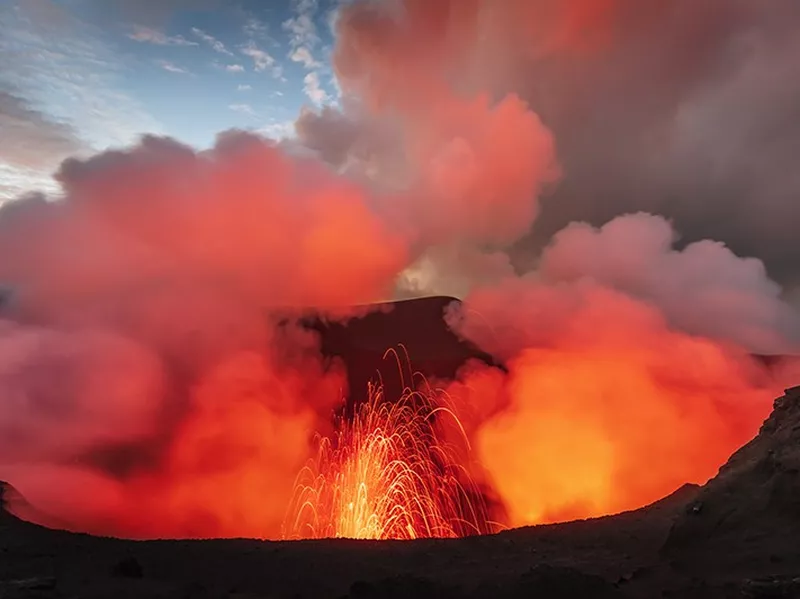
154, 380
149, 386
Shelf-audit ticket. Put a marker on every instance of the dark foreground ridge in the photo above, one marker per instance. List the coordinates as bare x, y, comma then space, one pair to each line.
748, 516
735, 537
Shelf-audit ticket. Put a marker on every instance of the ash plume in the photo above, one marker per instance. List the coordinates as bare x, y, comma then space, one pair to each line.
558, 165
143, 359
685, 110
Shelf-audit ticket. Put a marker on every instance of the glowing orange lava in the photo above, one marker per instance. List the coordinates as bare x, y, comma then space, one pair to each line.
388, 473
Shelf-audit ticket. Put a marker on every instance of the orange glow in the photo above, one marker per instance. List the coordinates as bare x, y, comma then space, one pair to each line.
388, 474
604, 408
156, 375
593, 435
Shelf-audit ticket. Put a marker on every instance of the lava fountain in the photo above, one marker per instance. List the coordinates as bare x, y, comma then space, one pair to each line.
389, 472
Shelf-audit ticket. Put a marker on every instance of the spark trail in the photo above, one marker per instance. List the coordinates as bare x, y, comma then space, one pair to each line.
389, 473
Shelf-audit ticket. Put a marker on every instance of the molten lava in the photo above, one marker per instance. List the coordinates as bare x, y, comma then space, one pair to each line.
388, 473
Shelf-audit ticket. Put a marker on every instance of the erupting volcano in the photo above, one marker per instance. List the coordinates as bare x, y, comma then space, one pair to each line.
193, 338
388, 473
491, 265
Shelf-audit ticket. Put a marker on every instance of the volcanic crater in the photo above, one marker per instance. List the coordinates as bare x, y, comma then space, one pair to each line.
732, 537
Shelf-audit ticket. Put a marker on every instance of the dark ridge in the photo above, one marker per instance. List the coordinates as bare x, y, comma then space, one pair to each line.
415, 329
748, 517
679, 497
3, 491
14, 506
12, 503
9, 496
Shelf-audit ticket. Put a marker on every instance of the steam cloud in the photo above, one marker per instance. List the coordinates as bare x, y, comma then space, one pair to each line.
149, 372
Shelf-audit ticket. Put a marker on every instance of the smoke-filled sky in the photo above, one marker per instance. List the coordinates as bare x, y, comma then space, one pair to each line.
610, 185
679, 108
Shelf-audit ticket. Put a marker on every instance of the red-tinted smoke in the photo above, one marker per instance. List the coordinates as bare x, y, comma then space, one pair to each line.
154, 381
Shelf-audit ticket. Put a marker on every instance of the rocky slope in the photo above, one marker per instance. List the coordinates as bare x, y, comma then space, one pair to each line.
747, 518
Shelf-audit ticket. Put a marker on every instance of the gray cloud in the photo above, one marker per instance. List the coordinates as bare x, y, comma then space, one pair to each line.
689, 111
58, 78
213, 42
30, 138
704, 289
694, 116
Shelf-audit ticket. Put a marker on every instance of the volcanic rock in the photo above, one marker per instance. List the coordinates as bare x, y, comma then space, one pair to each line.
28, 588
747, 518
13, 504
400, 587
772, 588
11, 500
415, 328
540, 581
128, 567
554, 581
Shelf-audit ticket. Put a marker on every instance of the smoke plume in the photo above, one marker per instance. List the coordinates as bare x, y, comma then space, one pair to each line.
145, 367
604, 407
558, 165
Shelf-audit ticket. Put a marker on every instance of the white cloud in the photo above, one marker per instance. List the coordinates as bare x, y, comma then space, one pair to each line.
254, 28
262, 60
337, 89
16, 181
331, 18
278, 130
159, 38
243, 109
234, 68
313, 89
215, 44
303, 55
244, 87
301, 28
67, 74
304, 6
171, 67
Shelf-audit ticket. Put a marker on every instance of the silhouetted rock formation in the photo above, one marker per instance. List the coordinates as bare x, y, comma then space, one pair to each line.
3, 490
418, 325
747, 518
8, 497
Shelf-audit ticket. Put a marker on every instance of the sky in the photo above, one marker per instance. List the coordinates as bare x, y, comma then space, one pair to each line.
82, 76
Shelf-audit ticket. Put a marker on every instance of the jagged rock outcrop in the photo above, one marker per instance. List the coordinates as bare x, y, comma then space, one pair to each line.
748, 516
6, 494
418, 325
13, 506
